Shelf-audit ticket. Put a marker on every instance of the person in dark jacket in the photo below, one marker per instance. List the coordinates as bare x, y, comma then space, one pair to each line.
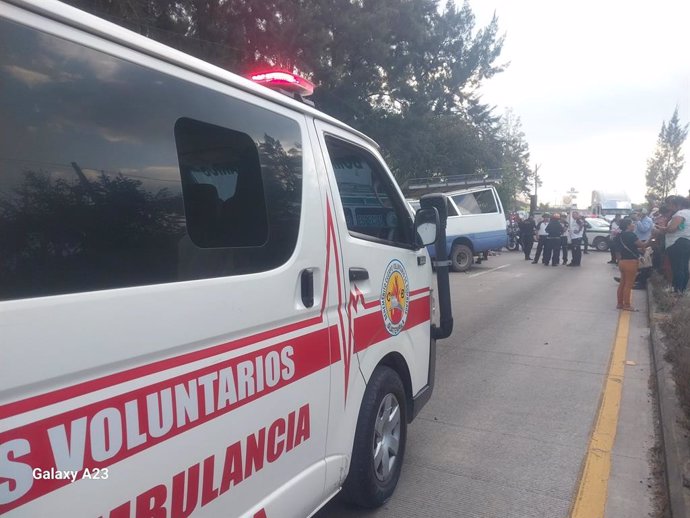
527, 230
552, 249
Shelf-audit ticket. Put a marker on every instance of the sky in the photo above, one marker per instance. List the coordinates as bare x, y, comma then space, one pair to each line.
592, 82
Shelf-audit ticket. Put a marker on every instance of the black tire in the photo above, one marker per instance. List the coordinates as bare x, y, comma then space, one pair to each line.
512, 246
461, 258
601, 244
366, 484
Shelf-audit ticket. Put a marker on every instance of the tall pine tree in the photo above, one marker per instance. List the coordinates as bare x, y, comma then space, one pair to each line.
668, 160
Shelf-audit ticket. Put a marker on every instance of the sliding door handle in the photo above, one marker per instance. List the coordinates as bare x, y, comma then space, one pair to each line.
307, 282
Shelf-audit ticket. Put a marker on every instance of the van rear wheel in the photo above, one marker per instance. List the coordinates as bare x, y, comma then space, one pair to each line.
461, 258
379, 448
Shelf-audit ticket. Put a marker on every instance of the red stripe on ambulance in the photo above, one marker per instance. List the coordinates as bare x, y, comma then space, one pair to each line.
103, 433
56, 396
370, 329
197, 487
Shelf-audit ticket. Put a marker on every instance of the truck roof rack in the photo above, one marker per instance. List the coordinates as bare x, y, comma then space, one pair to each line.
421, 186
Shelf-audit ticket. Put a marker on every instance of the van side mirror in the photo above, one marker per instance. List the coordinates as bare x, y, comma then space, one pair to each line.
426, 226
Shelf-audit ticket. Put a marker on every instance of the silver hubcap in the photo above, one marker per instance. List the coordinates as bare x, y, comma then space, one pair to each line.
386, 437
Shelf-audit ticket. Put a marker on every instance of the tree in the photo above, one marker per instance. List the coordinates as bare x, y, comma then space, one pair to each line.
668, 160
405, 72
514, 159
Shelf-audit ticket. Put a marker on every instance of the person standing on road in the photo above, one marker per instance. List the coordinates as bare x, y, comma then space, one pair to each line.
541, 237
564, 237
614, 231
527, 229
575, 231
585, 239
628, 251
678, 241
554, 231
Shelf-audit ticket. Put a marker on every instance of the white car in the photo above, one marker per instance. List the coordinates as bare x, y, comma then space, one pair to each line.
598, 233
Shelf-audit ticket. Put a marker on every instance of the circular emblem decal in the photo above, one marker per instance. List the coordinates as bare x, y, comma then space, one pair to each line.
395, 301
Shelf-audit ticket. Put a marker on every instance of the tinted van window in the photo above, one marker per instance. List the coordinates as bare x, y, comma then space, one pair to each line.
223, 190
115, 175
373, 208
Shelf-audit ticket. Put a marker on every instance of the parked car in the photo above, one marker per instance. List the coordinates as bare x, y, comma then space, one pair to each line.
598, 233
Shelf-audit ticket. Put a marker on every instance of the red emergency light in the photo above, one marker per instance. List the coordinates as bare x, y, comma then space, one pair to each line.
286, 81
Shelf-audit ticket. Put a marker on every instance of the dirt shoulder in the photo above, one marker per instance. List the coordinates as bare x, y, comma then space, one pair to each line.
670, 331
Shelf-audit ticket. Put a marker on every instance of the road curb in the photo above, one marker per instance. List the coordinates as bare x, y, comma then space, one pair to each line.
674, 438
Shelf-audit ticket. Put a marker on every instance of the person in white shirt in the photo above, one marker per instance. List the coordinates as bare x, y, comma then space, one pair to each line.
678, 241
541, 236
575, 231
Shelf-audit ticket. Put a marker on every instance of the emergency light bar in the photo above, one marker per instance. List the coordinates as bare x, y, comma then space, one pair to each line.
281, 80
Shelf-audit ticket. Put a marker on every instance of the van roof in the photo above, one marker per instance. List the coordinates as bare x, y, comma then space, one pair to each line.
84, 21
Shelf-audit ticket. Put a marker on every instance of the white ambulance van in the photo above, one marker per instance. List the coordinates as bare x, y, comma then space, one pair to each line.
213, 299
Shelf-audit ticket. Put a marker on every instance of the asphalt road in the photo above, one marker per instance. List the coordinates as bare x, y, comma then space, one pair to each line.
517, 392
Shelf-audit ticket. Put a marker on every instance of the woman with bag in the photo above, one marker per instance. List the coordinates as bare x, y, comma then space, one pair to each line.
628, 250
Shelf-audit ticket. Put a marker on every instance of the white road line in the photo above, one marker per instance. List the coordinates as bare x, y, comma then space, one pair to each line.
488, 271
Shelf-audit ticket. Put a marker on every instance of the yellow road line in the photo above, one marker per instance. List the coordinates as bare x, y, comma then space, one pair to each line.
590, 501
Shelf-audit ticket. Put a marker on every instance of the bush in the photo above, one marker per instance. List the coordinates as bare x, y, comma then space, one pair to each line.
663, 298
